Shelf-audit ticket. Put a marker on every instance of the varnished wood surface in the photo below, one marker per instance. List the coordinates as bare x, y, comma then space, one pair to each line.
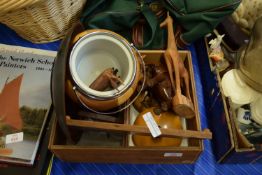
206, 134
135, 154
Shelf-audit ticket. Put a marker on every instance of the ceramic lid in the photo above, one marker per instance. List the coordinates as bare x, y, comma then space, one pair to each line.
236, 89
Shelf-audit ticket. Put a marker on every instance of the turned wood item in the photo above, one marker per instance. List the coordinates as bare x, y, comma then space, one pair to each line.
108, 78
111, 100
145, 100
158, 90
167, 120
182, 105
206, 134
158, 75
160, 86
163, 92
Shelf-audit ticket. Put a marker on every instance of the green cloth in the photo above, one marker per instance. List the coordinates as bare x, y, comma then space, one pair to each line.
197, 17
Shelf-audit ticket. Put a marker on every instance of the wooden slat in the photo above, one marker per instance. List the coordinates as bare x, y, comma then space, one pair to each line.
206, 134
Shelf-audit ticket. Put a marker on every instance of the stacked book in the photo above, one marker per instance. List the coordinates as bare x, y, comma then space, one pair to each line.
25, 101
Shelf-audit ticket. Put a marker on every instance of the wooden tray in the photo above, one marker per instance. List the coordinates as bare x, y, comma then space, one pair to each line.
122, 151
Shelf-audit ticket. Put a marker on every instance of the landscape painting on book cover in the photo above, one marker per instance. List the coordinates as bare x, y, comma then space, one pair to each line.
24, 102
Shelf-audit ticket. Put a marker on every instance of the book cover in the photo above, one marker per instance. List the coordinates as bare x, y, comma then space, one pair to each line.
43, 157
25, 100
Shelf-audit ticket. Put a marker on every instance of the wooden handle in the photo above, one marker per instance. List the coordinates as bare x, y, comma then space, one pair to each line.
206, 134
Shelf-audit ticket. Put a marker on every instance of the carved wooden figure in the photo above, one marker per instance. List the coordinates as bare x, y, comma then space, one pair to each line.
182, 105
106, 79
161, 86
158, 74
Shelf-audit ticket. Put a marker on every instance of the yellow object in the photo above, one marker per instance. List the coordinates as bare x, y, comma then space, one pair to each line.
166, 120
49, 169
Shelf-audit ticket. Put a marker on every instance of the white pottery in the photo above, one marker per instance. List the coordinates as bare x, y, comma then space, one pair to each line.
234, 88
95, 51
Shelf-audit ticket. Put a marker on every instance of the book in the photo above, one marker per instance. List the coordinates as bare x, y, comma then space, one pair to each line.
43, 159
25, 100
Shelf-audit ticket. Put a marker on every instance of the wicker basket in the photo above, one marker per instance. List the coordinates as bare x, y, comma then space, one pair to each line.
40, 21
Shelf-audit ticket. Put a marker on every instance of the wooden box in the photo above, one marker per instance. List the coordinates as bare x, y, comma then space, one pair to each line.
123, 151
229, 144
241, 149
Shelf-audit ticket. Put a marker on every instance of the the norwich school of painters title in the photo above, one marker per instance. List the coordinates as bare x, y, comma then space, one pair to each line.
21, 63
